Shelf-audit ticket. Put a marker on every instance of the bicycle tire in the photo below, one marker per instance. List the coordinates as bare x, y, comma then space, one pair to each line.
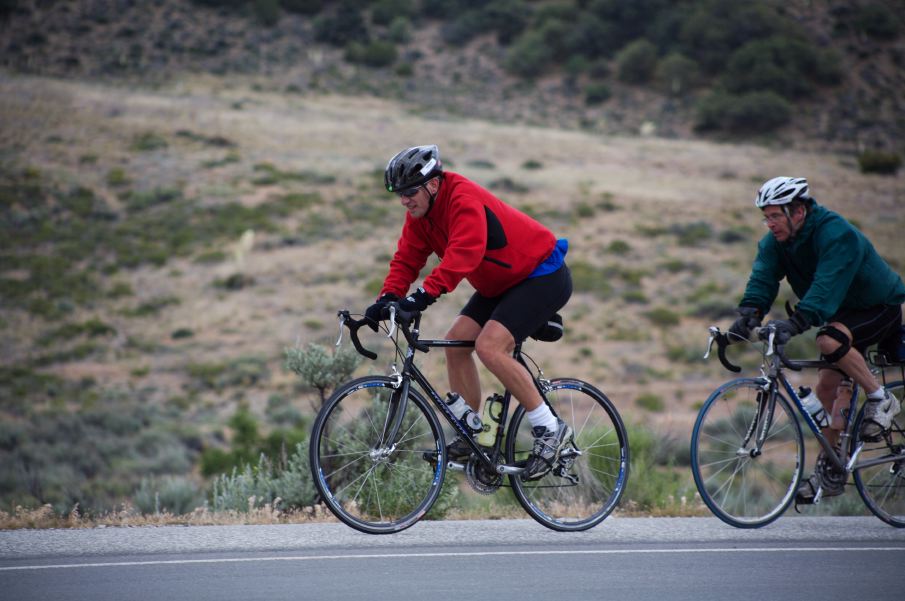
741, 489
882, 487
372, 488
601, 468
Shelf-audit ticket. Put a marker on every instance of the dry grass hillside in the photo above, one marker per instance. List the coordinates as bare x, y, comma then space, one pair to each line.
662, 233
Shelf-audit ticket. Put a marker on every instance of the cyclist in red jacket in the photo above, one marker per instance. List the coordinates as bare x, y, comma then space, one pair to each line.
515, 264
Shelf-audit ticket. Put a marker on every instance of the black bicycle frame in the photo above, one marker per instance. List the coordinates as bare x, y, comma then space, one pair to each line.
829, 451
410, 371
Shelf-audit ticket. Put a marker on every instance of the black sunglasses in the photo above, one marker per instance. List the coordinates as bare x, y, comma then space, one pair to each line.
410, 192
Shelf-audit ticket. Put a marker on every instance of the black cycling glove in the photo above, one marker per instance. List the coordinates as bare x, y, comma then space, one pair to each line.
416, 301
786, 328
378, 311
749, 317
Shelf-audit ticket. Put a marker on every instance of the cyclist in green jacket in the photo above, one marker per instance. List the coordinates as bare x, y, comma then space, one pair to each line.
844, 287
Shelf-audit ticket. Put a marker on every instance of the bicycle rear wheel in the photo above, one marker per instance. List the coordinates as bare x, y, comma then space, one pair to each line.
373, 486
590, 476
882, 486
741, 486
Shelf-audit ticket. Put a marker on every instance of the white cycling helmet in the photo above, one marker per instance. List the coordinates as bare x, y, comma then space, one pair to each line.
782, 191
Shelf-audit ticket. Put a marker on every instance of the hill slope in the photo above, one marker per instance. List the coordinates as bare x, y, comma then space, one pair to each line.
135, 304
451, 61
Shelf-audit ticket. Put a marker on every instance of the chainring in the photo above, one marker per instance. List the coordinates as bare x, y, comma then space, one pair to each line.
480, 478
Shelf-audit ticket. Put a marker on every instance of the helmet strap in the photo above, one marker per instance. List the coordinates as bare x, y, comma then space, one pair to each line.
431, 197
788, 214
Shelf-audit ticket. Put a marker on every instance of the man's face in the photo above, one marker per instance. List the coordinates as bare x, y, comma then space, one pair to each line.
418, 203
780, 226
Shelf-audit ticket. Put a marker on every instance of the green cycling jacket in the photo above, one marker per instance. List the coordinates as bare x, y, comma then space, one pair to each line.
830, 266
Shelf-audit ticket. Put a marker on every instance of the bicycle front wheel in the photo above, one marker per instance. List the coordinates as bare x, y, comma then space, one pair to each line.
372, 484
590, 476
882, 486
743, 485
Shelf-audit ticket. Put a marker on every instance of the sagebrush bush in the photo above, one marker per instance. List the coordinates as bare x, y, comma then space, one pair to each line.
176, 495
597, 93
676, 74
746, 113
880, 162
378, 53
637, 62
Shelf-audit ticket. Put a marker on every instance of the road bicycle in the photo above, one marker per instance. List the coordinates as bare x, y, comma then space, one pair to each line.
748, 452
378, 450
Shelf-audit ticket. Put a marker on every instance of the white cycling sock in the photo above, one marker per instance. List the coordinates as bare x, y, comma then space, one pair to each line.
542, 416
878, 395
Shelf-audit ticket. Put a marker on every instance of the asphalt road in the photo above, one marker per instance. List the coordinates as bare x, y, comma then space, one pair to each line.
623, 558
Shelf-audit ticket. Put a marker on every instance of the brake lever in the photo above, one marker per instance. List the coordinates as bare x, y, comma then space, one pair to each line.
342, 321
392, 321
714, 333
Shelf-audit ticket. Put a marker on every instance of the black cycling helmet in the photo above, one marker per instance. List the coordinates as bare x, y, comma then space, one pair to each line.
412, 167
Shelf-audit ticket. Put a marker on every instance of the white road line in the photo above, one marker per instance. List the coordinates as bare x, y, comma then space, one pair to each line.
448, 555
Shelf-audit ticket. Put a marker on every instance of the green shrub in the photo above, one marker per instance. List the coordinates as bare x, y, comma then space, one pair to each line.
346, 25
176, 495
303, 7
532, 165
383, 12
677, 74
712, 30
780, 64
400, 32
748, 113
619, 247
264, 483
637, 62
693, 234
656, 482
320, 370
117, 177
877, 21
140, 201
597, 93
588, 278
879, 161
528, 56
650, 402
663, 317
242, 372
378, 53
267, 12
148, 141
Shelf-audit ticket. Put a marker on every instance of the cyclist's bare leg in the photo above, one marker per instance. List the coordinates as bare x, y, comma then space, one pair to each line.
494, 347
852, 363
827, 385
460, 363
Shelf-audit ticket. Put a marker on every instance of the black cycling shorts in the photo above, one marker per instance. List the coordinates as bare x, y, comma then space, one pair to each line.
869, 326
525, 307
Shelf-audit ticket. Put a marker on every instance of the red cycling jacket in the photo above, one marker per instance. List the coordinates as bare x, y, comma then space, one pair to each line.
477, 236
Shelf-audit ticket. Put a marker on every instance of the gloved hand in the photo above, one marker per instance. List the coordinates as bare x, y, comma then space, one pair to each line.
416, 301
749, 317
377, 312
786, 328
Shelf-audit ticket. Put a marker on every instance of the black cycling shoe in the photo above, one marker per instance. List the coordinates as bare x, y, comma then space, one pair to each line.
825, 477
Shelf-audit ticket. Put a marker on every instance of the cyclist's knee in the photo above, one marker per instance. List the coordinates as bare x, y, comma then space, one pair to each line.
493, 344
833, 341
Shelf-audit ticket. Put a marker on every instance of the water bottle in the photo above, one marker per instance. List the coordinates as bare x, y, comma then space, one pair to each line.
813, 406
493, 412
463, 412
